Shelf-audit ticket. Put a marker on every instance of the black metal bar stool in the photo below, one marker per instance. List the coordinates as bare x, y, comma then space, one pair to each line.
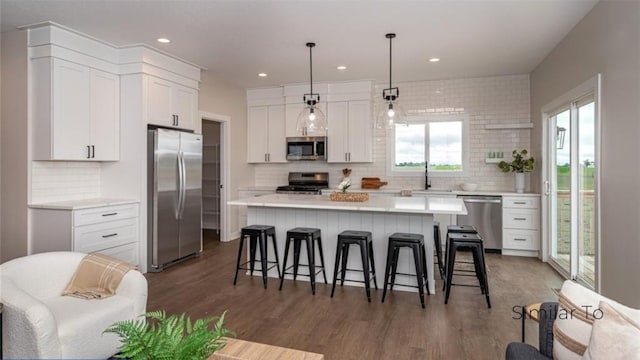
473, 243
310, 236
456, 229
437, 244
416, 243
364, 240
255, 233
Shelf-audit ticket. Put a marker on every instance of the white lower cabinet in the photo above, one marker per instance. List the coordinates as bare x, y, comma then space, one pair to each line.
110, 230
520, 225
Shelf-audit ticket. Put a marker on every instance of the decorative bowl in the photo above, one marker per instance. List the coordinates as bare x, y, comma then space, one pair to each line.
468, 186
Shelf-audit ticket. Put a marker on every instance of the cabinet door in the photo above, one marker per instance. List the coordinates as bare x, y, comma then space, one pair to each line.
277, 144
71, 111
257, 130
338, 117
159, 102
184, 106
105, 116
359, 131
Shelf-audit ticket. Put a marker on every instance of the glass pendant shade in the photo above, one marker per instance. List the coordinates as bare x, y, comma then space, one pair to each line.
391, 114
311, 120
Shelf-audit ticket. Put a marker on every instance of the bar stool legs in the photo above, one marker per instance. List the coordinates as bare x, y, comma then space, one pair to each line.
257, 235
363, 240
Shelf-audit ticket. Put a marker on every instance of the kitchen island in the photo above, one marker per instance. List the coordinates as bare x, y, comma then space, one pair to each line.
382, 216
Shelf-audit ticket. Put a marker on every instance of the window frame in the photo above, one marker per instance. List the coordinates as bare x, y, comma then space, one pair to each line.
426, 119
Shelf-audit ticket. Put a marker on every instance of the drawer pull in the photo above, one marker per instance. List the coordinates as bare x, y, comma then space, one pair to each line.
110, 214
520, 219
110, 235
519, 202
519, 239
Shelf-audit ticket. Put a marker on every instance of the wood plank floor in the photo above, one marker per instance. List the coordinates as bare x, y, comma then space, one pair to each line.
347, 326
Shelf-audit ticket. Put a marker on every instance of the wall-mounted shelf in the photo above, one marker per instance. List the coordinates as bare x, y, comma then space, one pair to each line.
493, 160
509, 126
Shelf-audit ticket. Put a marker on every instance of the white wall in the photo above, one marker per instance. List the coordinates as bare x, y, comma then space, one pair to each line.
220, 97
489, 100
606, 41
14, 190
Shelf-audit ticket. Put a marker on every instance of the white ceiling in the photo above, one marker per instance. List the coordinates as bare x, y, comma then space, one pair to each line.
236, 40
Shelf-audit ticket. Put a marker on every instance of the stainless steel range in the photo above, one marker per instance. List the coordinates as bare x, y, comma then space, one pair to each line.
305, 183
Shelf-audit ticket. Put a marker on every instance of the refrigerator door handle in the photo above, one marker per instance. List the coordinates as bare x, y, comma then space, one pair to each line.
178, 186
183, 186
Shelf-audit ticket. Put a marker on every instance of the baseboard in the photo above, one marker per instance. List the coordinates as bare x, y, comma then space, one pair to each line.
525, 253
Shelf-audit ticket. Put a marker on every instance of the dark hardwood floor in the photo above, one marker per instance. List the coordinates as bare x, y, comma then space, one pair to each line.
347, 326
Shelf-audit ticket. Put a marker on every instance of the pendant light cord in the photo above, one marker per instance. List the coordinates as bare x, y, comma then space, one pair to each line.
311, 69
390, 39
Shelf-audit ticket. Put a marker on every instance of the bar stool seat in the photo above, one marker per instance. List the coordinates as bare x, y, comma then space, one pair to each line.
364, 240
310, 236
416, 243
255, 233
473, 243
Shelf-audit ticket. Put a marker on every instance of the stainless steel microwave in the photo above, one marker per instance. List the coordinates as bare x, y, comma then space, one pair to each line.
307, 148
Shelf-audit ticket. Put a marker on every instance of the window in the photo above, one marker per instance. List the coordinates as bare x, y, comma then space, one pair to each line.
439, 141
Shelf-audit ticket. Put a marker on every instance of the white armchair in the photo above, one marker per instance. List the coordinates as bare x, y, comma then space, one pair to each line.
37, 322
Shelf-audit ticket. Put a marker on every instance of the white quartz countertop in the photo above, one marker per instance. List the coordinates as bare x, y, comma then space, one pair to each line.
82, 203
396, 191
409, 205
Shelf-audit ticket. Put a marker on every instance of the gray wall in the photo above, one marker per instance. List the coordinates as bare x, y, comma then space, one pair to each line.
220, 97
606, 41
14, 185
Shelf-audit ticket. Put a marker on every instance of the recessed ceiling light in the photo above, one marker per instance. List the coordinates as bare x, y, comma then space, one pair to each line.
434, 59
163, 40
262, 74
342, 67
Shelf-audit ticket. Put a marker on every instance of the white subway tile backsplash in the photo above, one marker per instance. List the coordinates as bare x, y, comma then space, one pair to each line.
490, 100
59, 180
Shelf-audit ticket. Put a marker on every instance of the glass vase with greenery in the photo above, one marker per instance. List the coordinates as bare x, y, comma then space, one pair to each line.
521, 162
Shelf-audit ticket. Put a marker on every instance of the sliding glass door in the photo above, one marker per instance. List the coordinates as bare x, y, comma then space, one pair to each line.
571, 188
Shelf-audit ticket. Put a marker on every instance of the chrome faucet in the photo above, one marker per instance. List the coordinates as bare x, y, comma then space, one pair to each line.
427, 183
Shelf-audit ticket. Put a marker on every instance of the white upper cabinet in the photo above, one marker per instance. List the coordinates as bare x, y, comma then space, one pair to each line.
265, 134
76, 112
171, 105
350, 132
349, 135
266, 141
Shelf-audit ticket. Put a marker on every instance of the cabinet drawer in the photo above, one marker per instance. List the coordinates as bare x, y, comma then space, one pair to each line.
104, 214
520, 219
94, 237
520, 202
127, 253
520, 240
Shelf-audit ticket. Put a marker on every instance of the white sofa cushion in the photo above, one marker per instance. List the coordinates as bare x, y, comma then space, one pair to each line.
81, 324
614, 336
572, 327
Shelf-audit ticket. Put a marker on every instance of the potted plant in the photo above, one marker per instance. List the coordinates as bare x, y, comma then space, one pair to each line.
172, 337
520, 164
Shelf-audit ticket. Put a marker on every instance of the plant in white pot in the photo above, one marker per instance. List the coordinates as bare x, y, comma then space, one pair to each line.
520, 164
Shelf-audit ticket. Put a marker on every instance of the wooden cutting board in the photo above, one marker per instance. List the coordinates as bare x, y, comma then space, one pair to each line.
372, 183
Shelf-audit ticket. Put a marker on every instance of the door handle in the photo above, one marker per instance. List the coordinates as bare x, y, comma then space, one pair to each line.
547, 187
177, 120
110, 235
519, 239
519, 202
482, 201
520, 219
110, 214
93, 151
88, 151
184, 184
349, 156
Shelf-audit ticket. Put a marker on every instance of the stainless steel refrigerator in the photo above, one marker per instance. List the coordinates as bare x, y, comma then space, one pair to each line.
174, 197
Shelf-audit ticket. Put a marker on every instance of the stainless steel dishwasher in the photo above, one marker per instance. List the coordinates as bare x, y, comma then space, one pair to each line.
485, 214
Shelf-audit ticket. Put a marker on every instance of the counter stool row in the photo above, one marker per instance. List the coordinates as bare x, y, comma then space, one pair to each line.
258, 234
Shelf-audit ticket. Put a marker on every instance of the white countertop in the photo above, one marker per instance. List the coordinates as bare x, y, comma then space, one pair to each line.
409, 205
82, 203
396, 191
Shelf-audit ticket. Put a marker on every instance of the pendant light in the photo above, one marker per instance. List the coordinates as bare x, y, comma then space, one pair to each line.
391, 113
311, 119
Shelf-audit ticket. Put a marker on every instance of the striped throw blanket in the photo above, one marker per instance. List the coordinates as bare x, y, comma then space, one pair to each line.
97, 277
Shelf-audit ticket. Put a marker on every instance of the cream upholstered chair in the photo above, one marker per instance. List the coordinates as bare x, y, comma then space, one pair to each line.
40, 323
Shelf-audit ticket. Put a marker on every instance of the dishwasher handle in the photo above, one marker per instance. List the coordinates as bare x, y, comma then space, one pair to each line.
483, 201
